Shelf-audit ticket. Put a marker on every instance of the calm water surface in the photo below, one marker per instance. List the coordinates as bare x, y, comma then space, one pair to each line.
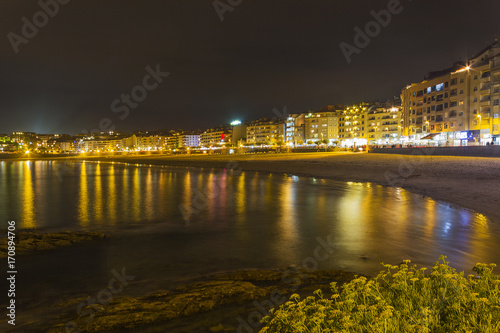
246, 220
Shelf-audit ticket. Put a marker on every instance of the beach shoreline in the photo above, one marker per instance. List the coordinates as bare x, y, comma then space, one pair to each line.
467, 182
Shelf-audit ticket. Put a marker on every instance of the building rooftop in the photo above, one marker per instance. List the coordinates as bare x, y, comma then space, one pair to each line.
456, 66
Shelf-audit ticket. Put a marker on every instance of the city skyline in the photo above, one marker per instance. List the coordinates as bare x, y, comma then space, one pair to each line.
66, 79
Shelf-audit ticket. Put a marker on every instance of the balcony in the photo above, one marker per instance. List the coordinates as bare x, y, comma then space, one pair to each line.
485, 101
486, 76
485, 89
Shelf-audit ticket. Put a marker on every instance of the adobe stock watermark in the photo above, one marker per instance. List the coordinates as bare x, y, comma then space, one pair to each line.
371, 29
61, 168
280, 115
291, 276
40, 19
223, 6
90, 306
138, 94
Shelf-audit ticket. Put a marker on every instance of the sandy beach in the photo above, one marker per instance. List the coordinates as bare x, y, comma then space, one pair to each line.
468, 182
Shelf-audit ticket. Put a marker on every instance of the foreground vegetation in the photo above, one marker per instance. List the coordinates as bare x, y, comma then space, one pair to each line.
400, 299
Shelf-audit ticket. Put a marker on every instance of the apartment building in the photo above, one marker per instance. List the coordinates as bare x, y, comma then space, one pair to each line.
384, 124
188, 140
458, 105
214, 137
353, 125
265, 132
101, 145
172, 142
152, 142
294, 129
66, 146
6, 145
322, 127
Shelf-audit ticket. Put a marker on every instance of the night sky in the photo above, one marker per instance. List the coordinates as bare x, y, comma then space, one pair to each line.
265, 54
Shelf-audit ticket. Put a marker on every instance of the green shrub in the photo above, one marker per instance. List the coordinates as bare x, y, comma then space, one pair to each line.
400, 299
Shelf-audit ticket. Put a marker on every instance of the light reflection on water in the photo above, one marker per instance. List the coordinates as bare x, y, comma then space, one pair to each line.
247, 220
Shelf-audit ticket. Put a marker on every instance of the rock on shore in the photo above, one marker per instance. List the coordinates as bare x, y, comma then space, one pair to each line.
29, 242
